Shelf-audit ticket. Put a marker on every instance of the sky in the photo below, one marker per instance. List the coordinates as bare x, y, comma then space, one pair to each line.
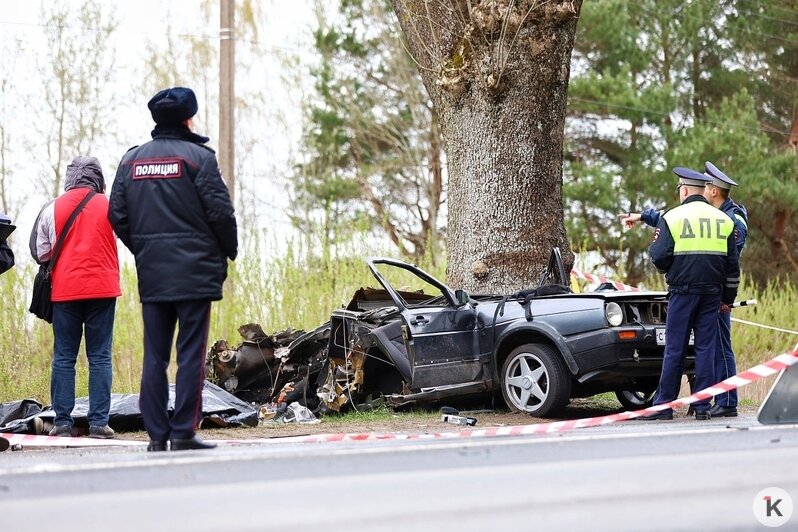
284, 33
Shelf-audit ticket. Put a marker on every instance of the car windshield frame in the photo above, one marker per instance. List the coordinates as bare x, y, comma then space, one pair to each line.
447, 293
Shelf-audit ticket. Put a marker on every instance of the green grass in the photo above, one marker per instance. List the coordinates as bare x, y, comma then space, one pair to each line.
776, 304
379, 415
295, 289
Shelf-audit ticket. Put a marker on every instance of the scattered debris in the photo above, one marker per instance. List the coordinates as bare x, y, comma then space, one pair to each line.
293, 413
267, 412
451, 415
249, 370
459, 420
326, 376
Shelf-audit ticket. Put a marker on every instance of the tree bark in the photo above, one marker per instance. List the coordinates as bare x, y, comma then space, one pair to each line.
497, 72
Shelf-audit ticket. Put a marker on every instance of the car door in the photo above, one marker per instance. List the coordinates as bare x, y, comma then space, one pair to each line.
440, 343
438, 332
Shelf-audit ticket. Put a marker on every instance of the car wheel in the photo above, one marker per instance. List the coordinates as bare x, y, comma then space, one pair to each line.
635, 399
534, 380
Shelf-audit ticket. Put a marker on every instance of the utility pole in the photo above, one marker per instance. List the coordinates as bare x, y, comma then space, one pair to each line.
227, 94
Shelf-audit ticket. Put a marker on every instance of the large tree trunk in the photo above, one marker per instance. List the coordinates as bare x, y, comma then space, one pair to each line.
497, 72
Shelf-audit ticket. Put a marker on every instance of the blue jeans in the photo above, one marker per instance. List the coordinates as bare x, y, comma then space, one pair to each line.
69, 319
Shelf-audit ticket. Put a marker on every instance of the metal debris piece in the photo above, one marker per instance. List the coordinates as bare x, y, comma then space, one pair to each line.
267, 412
459, 420
250, 369
331, 393
293, 413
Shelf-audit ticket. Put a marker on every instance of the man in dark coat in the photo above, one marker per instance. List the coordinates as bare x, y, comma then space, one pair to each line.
6, 254
171, 208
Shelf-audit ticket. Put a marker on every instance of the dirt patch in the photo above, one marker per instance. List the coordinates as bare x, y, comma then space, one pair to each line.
386, 421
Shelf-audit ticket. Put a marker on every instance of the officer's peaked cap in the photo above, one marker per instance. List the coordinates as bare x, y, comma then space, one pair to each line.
172, 106
690, 177
718, 178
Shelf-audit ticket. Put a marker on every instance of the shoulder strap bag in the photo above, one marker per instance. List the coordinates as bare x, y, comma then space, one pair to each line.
41, 304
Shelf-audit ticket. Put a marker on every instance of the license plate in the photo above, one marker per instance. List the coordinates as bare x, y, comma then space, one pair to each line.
661, 337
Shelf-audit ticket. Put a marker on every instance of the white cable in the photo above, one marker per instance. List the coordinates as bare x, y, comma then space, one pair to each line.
765, 326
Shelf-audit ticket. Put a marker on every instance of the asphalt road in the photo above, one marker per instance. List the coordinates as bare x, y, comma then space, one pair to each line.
680, 475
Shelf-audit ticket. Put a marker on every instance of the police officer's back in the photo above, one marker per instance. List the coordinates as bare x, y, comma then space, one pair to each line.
171, 208
694, 246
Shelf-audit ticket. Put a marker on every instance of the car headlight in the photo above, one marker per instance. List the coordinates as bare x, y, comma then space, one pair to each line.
614, 314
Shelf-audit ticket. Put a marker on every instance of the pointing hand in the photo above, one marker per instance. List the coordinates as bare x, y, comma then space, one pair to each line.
629, 219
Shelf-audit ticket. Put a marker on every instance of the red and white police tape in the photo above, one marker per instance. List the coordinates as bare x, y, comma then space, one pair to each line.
744, 378
601, 279
756, 373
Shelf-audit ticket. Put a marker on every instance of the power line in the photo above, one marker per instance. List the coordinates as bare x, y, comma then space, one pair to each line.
344, 61
206, 36
772, 6
708, 20
264, 46
215, 36
730, 125
766, 17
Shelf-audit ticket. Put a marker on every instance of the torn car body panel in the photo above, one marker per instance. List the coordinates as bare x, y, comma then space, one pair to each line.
416, 339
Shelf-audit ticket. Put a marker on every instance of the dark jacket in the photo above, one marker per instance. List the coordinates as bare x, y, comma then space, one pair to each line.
709, 267
737, 213
739, 216
6, 257
170, 207
6, 254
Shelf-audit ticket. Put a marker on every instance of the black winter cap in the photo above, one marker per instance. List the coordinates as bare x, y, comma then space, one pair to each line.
172, 106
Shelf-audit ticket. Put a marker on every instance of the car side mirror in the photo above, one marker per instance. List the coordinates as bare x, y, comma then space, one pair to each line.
462, 297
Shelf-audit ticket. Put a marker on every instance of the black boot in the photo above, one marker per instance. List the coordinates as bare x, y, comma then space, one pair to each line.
723, 411
156, 446
655, 416
190, 444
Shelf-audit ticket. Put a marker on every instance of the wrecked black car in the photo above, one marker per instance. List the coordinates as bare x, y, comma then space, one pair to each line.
417, 340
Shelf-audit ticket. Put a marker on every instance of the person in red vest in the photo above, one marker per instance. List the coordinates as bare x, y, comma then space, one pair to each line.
85, 287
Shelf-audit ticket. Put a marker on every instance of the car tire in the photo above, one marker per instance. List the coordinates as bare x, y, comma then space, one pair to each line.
534, 380
635, 399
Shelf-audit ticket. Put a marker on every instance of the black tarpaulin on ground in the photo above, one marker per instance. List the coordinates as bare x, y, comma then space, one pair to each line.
219, 409
16, 410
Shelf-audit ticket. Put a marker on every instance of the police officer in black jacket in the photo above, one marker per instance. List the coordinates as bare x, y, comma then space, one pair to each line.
171, 208
694, 246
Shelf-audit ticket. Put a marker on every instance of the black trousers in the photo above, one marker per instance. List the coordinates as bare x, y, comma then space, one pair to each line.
160, 319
